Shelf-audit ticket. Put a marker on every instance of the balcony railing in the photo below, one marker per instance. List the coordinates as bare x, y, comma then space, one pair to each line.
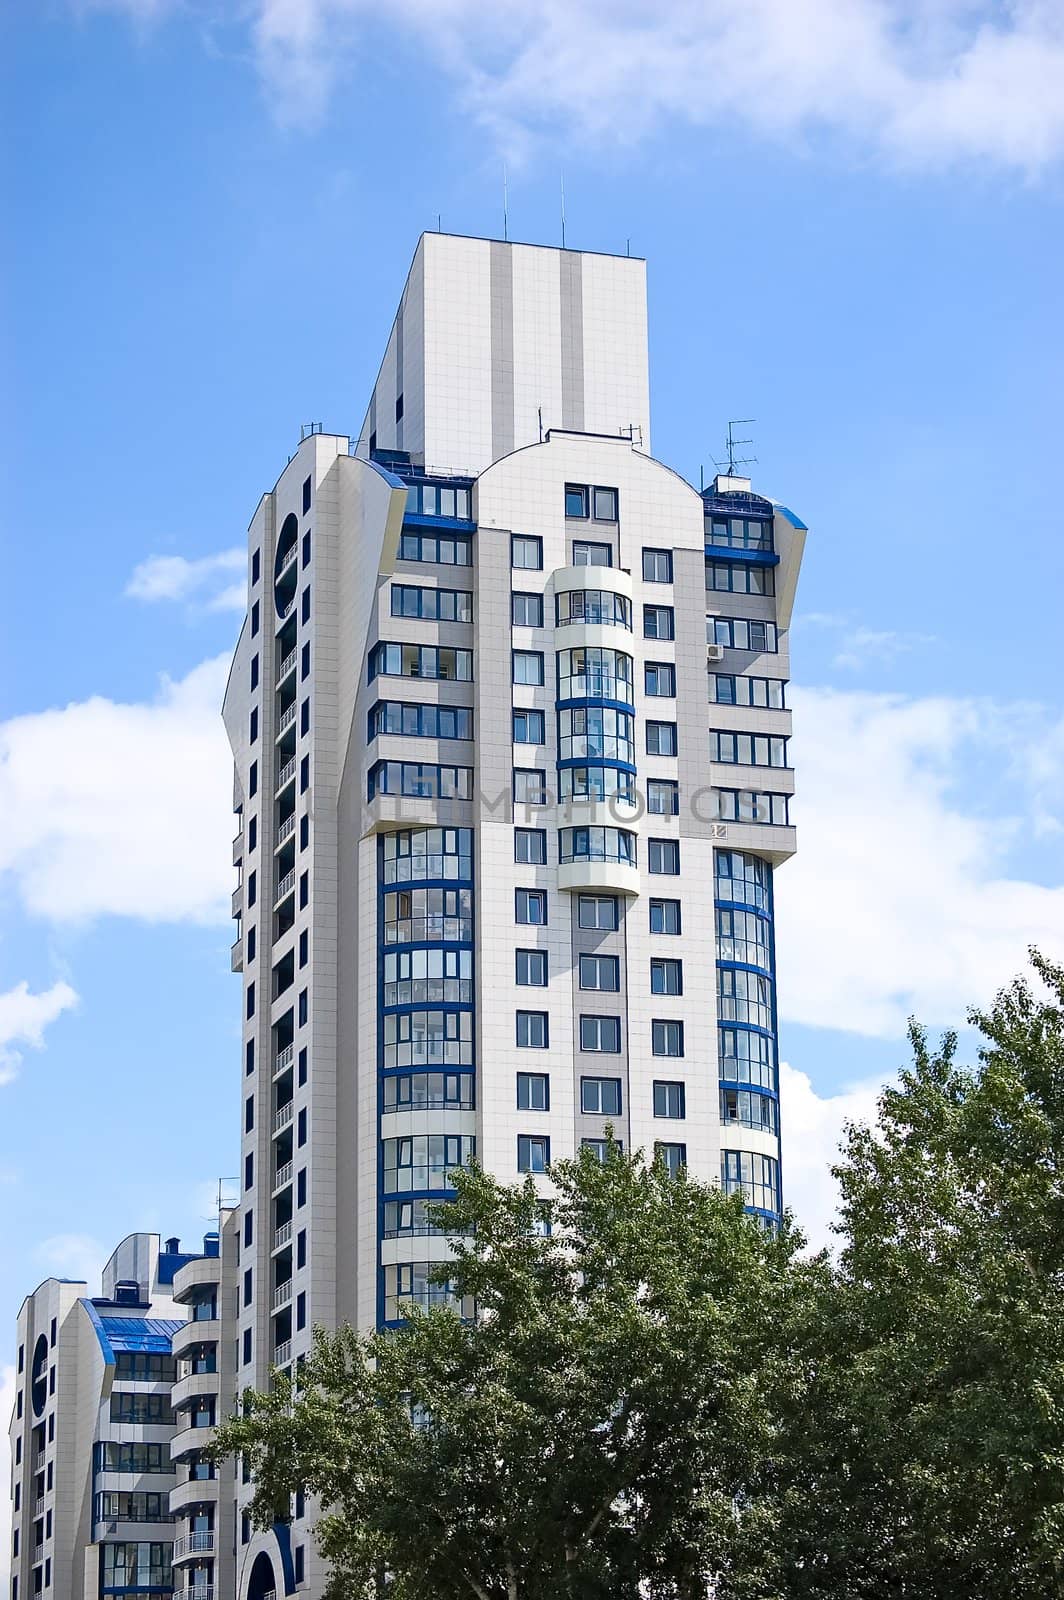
287, 827
193, 1544
281, 1356
286, 772
38, 1509
282, 1235
283, 1175
281, 1295
282, 1117
287, 718
202, 1591
285, 886
284, 1058
286, 666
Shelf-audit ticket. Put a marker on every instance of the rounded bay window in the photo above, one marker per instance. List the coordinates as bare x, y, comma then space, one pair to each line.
596, 672
598, 607
596, 844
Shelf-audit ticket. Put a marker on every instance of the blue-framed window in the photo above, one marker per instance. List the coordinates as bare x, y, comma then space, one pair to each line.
411, 720
666, 1037
663, 797
666, 975
657, 566
429, 1091
600, 607
530, 846
595, 782
526, 610
739, 533
748, 1057
736, 689
597, 731
412, 1283
436, 661
530, 786
665, 916
141, 1565
436, 549
527, 667
661, 738
530, 907
410, 855
600, 973
530, 969
600, 1097
743, 878
744, 936
533, 1091
595, 672
419, 977
600, 1036
659, 680
526, 552
412, 1219
440, 500
740, 577
532, 1030
670, 1100
672, 1156
659, 622
420, 780
420, 916
600, 1148
529, 727
663, 856
744, 805
435, 605
424, 1161
533, 1152
742, 633
746, 1108
597, 843
747, 749
744, 996
755, 1177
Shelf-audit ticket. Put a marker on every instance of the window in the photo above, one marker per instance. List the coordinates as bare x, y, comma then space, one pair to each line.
306, 494
530, 907
576, 500
743, 805
744, 997
666, 976
597, 782
249, 1113
531, 969
600, 1097
439, 500
604, 504
424, 1160
252, 889
533, 1091
304, 947
533, 1152
600, 1148
657, 566
529, 727
256, 565
663, 797
667, 1038
659, 679
661, 738
663, 856
601, 1034
530, 786
755, 1177
596, 911
254, 672
600, 972
251, 1000
304, 661
739, 577
673, 1157
526, 552
748, 749
253, 780
747, 1057
744, 936
600, 732
304, 607
437, 605
526, 610
420, 661
420, 780
435, 549
726, 689
528, 666
306, 550
591, 553
253, 726
739, 533
597, 671
740, 633
530, 846
254, 618
745, 1108
532, 1030
745, 880
413, 720
599, 606
670, 1100
658, 622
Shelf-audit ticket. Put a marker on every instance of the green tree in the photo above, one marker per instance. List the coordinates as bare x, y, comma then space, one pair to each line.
609, 1420
928, 1452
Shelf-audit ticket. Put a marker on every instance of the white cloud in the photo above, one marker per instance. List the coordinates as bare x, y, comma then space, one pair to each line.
900, 899
76, 1256
860, 646
23, 1019
967, 80
812, 1132
121, 809
7, 1405
202, 581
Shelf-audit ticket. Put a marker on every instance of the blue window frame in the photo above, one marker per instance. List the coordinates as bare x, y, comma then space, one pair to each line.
529, 727
436, 549
533, 1152
411, 719
436, 605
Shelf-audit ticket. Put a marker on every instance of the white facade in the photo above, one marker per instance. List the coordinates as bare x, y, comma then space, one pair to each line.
92, 1428
511, 561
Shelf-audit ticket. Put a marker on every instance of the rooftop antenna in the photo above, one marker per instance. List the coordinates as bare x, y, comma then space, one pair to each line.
439, 222
505, 207
562, 183
628, 247
734, 444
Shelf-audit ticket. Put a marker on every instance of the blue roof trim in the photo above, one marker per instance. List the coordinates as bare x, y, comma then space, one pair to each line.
796, 522
149, 1335
390, 478
105, 1343
169, 1264
748, 558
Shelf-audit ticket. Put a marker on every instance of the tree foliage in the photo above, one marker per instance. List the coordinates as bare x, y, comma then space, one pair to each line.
662, 1399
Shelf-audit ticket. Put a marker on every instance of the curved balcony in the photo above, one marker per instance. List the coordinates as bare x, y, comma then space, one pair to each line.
196, 1492
595, 858
195, 1333
204, 1272
192, 1387
189, 1442
605, 614
192, 1546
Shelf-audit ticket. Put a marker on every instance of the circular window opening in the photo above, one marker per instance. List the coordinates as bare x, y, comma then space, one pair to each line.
285, 566
39, 1376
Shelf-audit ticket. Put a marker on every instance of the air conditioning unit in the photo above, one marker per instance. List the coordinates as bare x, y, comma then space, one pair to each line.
714, 652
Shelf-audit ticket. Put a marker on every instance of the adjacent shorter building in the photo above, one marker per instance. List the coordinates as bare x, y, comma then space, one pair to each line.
97, 1428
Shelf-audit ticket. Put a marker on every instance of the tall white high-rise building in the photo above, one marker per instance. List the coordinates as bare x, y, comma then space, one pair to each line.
509, 722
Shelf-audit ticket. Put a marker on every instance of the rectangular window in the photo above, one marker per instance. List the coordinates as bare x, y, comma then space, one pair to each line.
420, 661
533, 1091
304, 717
531, 969
254, 672
249, 1113
254, 618
663, 797
740, 633
666, 976
306, 494
657, 566
435, 549
253, 725
596, 911
256, 565
304, 606
420, 781
673, 1156
526, 610
600, 1097
435, 605
670, 1100
604, 504
533, 1152
600, 972
304, 661
600, 1148
306, 550
526, 552
661, 738
667, 1038
739, 577
530, 907
748, 749
530, 786
589, 553
532, 1030
530, 846
529, 727
576, 500
413, 719
730, 689
743, 805
659, 679
528, 666
658, 622
663, 856
601, 1034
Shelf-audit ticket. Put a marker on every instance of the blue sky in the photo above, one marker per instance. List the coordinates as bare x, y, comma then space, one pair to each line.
852, 217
